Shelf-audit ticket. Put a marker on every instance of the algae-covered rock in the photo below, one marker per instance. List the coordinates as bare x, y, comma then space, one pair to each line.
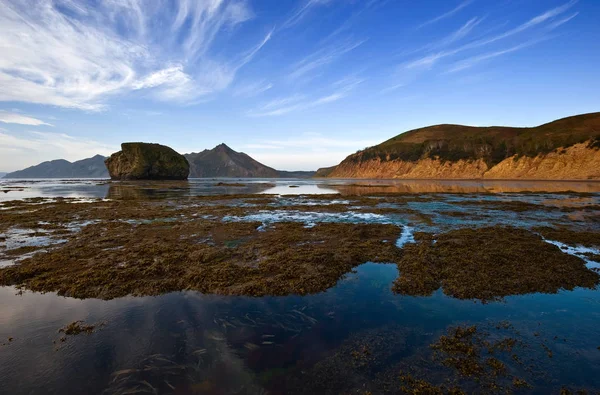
145, 161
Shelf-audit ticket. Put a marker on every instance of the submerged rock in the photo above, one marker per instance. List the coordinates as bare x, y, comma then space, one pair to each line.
145, 161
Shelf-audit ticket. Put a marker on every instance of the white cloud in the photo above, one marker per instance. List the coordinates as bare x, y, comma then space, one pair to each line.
393, 88
79, 59
297, 102
27, 149
10, 117
431, 59
446, 14
322, 57
562, 21
470, 62
302, 11
462, 32
252, 89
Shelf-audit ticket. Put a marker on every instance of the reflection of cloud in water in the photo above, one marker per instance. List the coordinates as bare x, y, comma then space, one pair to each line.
579, 251
53, 188
299, 189
406, 237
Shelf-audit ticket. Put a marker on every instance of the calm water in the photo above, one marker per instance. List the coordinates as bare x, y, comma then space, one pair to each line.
191, 343
11, 189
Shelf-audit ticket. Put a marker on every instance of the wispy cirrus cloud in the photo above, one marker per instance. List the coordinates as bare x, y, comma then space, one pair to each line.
447, 14
323, 57
298, 102
461, 33
17, 118
472, 61
431, 59
562, 21
302, 11
252, 89
76, 54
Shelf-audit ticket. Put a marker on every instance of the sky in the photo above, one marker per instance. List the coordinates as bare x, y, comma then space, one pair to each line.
296, 84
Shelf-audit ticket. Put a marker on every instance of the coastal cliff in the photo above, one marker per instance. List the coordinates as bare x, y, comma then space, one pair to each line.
567, 149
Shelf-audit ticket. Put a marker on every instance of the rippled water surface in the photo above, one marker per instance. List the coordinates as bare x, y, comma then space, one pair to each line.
349, 339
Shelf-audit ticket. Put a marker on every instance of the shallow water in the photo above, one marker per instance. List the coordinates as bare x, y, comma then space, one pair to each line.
234, 342
186, 342
11, 189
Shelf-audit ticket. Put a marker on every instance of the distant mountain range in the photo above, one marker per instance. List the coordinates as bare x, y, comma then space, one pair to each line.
86, 168
566, 149
220, 161
2, 174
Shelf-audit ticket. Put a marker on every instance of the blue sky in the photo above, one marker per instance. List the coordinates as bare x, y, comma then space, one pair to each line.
295, 84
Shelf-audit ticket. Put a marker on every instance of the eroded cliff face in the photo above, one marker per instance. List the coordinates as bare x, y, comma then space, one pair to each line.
424, 168
578, 162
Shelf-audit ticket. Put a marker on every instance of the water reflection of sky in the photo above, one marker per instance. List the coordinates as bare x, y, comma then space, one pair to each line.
310, 189
246, 338
11, 189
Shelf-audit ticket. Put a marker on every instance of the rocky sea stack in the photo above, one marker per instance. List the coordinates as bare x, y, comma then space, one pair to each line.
145, 161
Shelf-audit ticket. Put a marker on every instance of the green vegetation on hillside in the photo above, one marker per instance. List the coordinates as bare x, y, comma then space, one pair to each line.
492, 144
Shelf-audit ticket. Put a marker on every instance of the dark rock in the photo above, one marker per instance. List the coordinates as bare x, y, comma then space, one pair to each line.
145, 161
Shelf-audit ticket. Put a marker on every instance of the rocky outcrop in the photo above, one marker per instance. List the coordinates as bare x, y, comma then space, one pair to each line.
145, 161
567, 149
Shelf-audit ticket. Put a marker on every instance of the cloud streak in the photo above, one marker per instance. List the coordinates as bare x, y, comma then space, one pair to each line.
300, 13
431, 59
446, 14
470, 62
323, 57
10, 117
285, 105
252, 89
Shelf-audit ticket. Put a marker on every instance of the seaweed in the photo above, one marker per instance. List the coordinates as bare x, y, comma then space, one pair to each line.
108, 260
78, 327
488, 264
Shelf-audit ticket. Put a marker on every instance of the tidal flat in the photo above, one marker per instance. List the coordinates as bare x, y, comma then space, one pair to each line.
252, 286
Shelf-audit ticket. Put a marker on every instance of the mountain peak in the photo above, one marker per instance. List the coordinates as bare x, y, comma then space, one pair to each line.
223, 147
222, 161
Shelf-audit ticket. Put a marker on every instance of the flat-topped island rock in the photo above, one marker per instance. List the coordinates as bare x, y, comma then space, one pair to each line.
146, 161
